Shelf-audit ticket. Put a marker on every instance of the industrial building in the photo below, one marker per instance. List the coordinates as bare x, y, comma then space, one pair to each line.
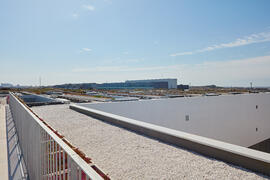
141, 84
171, 83
132, 84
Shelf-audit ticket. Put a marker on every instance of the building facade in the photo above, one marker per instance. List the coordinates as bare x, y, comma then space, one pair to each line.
172, 83
132, 84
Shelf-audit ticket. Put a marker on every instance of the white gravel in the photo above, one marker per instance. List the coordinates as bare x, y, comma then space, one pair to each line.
123, 154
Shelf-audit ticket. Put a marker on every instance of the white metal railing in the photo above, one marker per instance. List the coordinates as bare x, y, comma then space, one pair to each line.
46, 155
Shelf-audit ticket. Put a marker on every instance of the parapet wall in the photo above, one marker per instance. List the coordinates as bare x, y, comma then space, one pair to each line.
237, 119
241, 156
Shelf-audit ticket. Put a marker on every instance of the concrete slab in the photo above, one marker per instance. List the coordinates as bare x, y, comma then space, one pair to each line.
3, 142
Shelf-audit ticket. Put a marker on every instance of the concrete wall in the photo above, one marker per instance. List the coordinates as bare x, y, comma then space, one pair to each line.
238, 119
238, 155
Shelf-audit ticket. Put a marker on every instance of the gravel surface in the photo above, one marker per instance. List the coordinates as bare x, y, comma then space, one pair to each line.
123, 154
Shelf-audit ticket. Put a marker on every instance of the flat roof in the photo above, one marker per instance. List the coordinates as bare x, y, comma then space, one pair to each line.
124, 154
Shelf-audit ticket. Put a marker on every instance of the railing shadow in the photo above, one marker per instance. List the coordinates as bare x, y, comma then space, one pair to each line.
16, 166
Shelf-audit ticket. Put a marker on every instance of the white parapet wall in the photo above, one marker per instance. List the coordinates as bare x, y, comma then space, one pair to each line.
238, 155
238, 119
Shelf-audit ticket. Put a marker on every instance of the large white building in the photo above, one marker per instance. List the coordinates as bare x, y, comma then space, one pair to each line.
172, 83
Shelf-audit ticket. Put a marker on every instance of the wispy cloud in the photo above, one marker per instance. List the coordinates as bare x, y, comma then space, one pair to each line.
116, 69
182, 53
85, 50
251, 39
89, 7
232, 72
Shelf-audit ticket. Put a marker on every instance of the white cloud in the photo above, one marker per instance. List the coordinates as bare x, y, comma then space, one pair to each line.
182, 53
251, 39
85, 50
233, 72
226, 73
89, 7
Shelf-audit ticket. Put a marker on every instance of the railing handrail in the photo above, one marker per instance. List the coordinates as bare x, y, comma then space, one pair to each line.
86, 168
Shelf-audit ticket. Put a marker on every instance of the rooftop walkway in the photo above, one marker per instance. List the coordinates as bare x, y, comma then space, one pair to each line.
3, 142
11, 161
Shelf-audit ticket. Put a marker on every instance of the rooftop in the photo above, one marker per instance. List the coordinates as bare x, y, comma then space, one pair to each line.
122, 153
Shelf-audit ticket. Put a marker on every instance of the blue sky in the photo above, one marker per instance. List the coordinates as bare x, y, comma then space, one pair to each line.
198, 42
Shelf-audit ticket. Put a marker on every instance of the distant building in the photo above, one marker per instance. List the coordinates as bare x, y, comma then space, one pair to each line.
6, 85
160, 83
182, 86
133, 84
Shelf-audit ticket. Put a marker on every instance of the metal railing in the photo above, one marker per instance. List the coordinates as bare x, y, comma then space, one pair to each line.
46, 155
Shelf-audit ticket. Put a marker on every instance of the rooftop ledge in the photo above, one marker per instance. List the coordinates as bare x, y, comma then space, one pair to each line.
248, 158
